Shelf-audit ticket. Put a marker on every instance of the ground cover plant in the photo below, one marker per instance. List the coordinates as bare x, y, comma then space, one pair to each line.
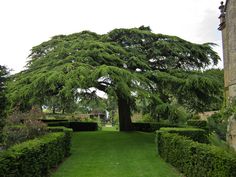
112, 153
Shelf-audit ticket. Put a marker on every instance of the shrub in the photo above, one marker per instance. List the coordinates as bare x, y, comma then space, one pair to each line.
195, 159
35, 157
14, 135
196, 134
218, 123
197, 123
21, 127
150, 127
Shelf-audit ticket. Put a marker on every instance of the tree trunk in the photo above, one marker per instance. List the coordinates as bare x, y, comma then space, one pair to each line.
53, 109
124, 114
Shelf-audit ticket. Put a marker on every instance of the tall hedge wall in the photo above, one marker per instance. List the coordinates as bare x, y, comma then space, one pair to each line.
34, 158
195, 159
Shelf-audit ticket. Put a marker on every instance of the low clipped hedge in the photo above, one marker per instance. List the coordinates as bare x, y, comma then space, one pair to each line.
197, 123
196, 134
149, 127
84, 126
53, 120
59, 124
35, 158
59, 129
195, 159
74, 125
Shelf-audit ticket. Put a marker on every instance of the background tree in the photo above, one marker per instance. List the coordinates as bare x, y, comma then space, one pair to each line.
124, 63
3, 100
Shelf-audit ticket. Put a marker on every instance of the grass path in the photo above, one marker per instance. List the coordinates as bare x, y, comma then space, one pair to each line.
114, 154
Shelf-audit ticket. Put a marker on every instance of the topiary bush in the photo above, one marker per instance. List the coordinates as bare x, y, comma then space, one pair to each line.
195, 159
196, 134
35, 158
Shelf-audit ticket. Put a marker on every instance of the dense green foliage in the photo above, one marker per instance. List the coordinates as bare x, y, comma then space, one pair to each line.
124, 63
20, 127
196, 134
34, 158
197, 123
218, 122
195, 159
114, 154
3, 99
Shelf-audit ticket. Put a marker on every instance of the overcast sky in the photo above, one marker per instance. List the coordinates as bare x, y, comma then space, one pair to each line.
26, 23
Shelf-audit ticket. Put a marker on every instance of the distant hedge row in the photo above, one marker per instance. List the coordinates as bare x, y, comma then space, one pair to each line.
150, 127
195, 159
34, 158
195, 134
75, 126
197, 123
59, 129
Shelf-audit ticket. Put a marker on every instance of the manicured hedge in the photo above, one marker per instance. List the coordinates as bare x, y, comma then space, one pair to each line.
34, 158
59, 129
196, 134
74, 125
56, 124
149, 127
197, 123
84, 126
195, 159
53, 120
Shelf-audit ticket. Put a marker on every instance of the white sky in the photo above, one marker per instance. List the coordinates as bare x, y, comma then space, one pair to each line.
26, 23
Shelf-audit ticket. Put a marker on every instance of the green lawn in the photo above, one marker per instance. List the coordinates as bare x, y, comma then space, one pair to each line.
114, 154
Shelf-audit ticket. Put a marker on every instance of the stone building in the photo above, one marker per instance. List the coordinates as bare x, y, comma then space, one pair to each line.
228, 28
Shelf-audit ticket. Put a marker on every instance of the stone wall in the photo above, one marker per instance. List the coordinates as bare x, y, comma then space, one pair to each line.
228, 28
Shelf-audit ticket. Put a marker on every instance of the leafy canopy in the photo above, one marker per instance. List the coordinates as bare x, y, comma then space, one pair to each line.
127, 63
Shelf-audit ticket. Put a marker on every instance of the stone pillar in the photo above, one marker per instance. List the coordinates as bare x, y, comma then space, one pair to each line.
231, 29
224, 33
228, 28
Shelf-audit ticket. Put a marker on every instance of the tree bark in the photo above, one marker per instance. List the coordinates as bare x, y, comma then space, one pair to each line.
53, 109
124, 114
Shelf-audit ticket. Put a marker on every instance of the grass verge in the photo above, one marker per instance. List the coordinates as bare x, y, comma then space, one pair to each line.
114, 154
